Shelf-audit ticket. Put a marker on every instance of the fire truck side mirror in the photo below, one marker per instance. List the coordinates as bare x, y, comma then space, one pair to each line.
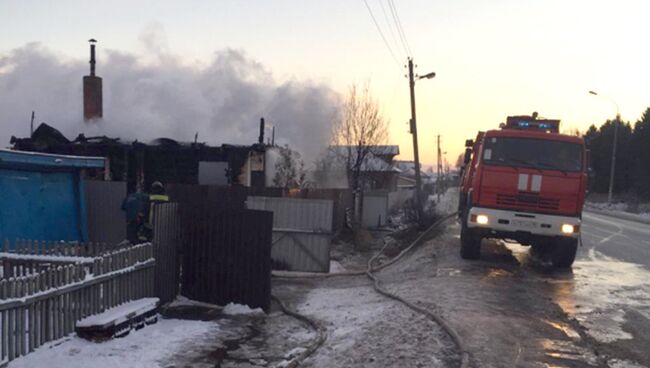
469, 143
468, 156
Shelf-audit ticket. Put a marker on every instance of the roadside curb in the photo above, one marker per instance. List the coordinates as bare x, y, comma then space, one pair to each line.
619, 215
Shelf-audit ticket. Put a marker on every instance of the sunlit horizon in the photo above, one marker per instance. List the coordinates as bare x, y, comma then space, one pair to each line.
491, 60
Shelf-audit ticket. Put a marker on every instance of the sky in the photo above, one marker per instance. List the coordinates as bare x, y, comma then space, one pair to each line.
491, 58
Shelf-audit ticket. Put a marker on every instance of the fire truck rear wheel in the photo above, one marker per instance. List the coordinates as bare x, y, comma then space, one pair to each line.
470, 244
564, 252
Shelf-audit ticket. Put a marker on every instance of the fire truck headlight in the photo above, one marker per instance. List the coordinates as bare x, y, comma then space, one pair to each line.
482, 219
567, 229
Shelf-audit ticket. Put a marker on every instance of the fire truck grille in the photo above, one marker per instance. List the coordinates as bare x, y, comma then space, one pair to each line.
530, 201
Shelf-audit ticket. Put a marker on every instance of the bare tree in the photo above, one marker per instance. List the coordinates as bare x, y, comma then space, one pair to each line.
289, 170
360, 128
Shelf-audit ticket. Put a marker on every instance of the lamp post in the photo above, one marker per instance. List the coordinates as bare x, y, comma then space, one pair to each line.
414, 131
613, 165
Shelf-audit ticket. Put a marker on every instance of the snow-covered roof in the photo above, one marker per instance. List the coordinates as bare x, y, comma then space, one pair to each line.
372, 162
408, 169
380, 150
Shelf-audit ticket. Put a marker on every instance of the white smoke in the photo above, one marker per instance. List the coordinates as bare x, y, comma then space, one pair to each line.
222, 101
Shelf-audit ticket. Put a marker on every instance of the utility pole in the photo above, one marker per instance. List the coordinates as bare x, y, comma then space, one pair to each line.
439, 170
414, 132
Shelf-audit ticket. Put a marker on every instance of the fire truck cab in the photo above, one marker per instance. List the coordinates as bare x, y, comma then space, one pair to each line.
524, 182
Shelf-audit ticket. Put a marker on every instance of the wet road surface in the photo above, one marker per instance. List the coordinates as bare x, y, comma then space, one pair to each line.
511, 309
623, 240
515, 311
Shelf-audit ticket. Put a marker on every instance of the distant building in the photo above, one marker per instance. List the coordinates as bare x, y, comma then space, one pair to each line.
377, 168
407, 175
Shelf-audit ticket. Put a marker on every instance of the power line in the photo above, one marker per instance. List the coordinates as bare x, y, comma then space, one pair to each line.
390, 26
382, 35
400, 29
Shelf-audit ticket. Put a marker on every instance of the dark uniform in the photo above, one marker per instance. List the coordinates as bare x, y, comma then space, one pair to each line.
135, 207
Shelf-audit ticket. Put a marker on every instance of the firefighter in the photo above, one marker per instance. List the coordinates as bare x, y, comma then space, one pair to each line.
135, 207
156, 196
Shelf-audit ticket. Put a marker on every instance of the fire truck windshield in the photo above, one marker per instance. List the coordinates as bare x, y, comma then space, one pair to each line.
542, 154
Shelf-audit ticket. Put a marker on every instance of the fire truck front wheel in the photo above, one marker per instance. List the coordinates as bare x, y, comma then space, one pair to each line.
470, 244
564, 252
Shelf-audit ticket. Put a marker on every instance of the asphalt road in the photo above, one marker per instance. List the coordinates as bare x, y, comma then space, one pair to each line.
514, 310
624, 240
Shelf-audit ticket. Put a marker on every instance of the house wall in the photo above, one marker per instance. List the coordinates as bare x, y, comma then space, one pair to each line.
381, 180
375, 209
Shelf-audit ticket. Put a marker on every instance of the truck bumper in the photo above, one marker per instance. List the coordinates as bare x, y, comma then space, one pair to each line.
521, 224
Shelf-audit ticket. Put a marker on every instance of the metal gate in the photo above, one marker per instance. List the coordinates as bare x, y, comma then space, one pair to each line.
302, 231
166, 248
226, 255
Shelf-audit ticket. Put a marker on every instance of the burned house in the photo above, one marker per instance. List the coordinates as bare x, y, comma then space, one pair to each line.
165, 160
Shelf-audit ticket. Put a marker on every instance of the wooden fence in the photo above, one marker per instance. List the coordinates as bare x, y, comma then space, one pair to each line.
28, 256
35, 247
44, 305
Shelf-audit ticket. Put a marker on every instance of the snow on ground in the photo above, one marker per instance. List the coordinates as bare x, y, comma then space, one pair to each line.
365, 329
238, 309
144, 348
448, 202
619, 208
336, 267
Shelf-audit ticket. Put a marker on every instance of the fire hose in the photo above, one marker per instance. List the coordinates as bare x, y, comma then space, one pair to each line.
369, 272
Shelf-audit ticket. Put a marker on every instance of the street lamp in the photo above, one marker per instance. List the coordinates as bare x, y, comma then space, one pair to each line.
613, 165
414, 131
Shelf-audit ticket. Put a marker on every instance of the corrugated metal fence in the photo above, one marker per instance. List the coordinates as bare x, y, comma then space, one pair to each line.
341, 198
167, 242
226, 256
302, 231
104, 215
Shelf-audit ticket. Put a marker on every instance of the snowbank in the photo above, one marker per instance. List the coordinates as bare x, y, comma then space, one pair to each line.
238, 309
145, 348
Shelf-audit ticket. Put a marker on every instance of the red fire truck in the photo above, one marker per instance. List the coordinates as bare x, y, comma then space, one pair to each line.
524, 182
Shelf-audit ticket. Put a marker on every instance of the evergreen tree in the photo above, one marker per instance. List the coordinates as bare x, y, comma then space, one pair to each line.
632, 154
641, 148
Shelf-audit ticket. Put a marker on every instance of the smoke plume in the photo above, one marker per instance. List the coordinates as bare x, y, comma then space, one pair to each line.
221, 101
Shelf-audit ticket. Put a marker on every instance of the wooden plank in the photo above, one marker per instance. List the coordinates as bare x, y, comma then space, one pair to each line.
5, 322
12, 323
30, 316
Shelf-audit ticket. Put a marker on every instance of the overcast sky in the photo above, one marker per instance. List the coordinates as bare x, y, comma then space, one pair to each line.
492, 58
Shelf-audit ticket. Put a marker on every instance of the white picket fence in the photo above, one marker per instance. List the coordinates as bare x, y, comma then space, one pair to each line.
43, 301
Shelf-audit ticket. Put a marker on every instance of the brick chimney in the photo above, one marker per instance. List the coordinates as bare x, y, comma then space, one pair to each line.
93, 106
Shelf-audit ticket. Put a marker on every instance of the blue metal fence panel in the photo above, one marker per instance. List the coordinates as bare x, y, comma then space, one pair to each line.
41, 196
40, 205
